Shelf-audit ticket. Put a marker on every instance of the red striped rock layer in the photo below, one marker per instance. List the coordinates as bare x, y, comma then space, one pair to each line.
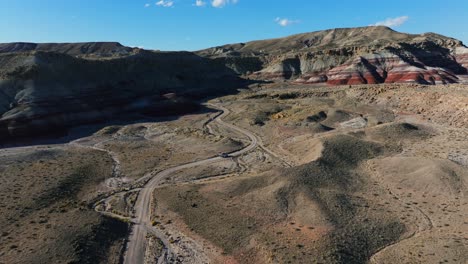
386, 69
461, 55
380, 68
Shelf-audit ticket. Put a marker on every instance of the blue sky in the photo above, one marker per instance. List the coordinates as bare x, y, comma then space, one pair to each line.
197, 24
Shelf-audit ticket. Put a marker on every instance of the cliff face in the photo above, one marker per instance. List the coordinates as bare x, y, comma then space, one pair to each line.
45, 92
351, 56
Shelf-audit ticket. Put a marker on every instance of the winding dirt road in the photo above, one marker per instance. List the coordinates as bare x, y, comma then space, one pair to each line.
136, 245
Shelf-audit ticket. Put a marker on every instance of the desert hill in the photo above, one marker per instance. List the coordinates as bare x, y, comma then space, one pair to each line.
363, 55
73, 49
378, 186
373, 37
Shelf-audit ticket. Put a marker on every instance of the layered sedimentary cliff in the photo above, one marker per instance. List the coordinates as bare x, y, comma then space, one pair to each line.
351, 56
46, 92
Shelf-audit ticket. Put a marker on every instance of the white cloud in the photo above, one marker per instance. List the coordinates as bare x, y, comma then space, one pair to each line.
199, 3
392, 22
165, 3
147, 5
221, 3
284, 22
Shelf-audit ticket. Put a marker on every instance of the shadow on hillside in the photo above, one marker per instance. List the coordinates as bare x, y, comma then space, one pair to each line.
431, 55
63, 136
164, 112
146, 87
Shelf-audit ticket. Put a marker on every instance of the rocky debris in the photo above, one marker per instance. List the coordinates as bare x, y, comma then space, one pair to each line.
355, 123
459, 159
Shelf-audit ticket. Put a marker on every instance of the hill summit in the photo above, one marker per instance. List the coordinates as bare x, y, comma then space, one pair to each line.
73, 49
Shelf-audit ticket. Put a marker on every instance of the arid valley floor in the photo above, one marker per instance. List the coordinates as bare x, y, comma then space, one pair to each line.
347, 174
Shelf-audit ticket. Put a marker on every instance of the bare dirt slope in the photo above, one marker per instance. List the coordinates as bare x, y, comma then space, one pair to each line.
367, 174
381, 181
45, 213
68, 203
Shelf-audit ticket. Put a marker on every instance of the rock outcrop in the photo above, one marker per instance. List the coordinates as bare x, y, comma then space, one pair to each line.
352, 56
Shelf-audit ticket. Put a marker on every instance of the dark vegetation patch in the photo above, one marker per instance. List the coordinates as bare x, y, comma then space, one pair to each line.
257, 96
341, 155
319, 128
337, 116
357, 241
286, 96
262, 116
320, 116
69, 187
227, 228
332, 182
94, 246
399, 132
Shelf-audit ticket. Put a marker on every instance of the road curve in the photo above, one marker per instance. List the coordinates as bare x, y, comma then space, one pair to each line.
136, 245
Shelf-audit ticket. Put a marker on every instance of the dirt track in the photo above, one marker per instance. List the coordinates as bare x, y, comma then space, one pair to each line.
135, 252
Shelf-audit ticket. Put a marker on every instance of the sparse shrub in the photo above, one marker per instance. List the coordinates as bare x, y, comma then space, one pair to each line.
260, 119
320, 116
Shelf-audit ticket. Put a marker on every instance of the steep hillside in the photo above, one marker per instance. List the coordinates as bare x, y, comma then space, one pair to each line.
364, 55
44, 92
